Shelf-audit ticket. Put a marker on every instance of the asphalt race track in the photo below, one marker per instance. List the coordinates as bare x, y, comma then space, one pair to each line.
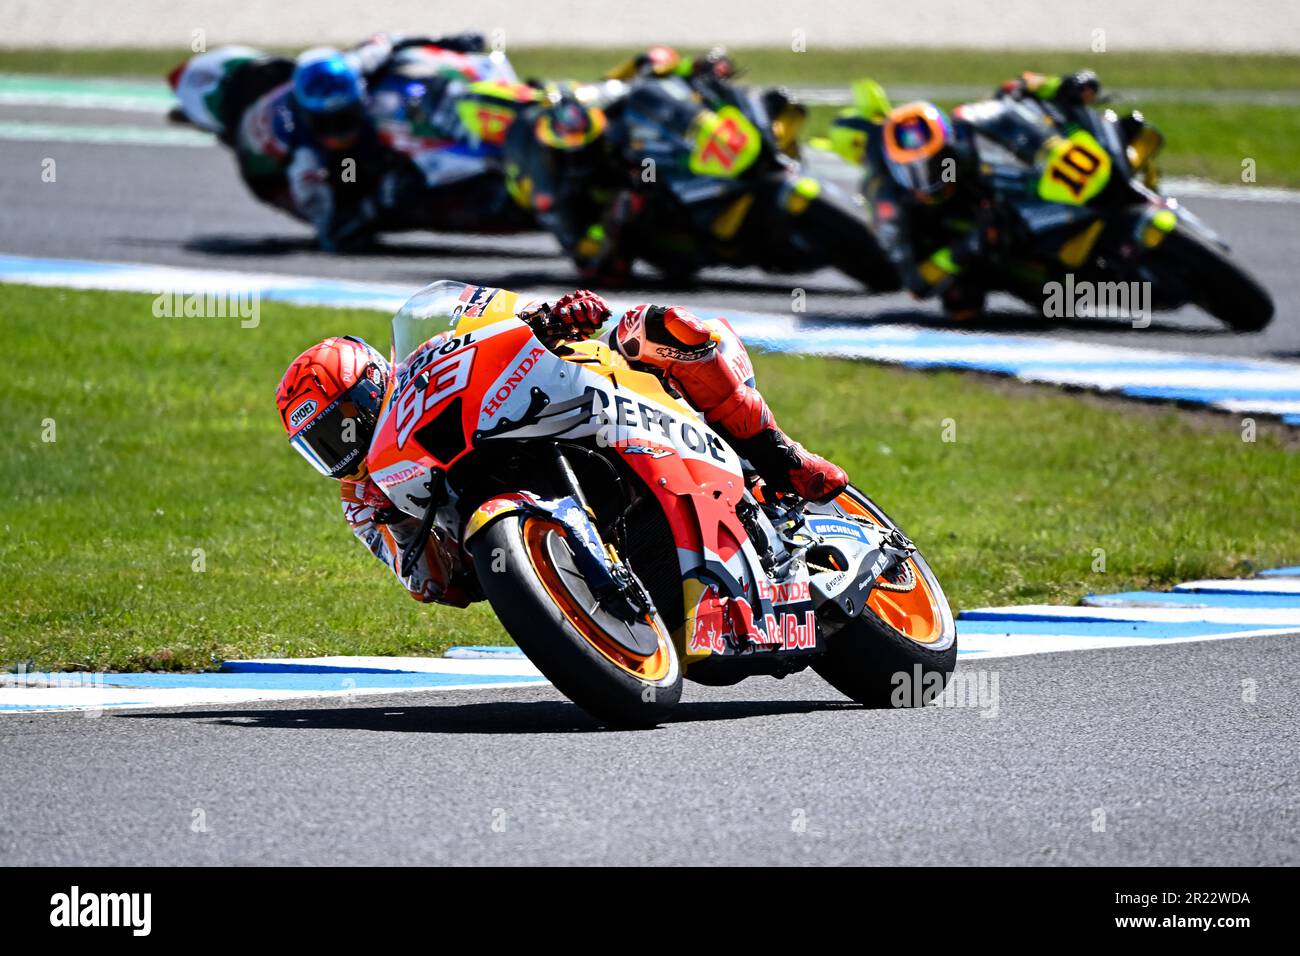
1124, 756
1156, 745
185, 206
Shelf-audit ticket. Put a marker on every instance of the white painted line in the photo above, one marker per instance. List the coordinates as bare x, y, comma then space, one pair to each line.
1235, 193
1255, 617
989, 646
142, 277
87, 93
28, 700
88, 100
22, 131
1246, 585
911, 343
1255, 405
516, 666
1273, 376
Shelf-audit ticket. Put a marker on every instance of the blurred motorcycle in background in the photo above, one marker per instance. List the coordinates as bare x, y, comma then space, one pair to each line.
683, 170
440, 109
1073, 198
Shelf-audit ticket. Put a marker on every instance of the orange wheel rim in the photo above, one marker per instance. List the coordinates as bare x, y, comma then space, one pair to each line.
653, 668
913, 613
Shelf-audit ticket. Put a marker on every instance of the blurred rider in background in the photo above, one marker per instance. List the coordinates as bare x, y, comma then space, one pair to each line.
931, 211
573, 163
292, 123
335, 158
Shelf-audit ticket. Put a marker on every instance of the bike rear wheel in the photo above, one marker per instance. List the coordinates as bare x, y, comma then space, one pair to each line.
901, 650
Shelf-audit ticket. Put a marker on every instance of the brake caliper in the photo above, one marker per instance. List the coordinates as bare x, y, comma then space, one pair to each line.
897, 574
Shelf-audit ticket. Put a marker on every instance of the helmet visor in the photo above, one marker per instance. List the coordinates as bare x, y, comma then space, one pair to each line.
336, 440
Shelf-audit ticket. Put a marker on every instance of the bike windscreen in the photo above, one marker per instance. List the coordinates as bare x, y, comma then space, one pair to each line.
440, 307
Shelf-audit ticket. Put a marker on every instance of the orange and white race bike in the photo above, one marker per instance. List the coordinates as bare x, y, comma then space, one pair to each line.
621, 541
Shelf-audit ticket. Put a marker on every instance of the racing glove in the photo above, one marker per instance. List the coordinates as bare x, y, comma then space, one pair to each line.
1073, 89
581, 311
575, 315
372, 496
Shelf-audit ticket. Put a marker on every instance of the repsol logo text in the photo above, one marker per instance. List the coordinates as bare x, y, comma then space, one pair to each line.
431, 351
627, 413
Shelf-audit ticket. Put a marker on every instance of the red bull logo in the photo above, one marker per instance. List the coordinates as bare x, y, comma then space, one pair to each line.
787, 632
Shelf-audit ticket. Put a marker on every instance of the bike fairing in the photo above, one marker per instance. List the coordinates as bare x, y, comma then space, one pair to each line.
934, 241
215, 87
432, 100
591, 394
699, 458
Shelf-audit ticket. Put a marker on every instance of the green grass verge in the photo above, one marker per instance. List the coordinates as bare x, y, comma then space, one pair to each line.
818, 66
167, 441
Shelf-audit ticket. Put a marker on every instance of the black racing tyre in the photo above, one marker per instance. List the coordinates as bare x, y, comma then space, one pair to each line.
849, 242
526, 569
1215, 281
902, 648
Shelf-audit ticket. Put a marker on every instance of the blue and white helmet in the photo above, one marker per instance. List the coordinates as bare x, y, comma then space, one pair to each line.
330, 92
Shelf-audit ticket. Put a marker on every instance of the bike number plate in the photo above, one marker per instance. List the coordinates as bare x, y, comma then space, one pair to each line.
726, 143
1077, 169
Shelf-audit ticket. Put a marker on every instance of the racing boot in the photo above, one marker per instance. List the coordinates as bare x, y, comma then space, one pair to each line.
708, 364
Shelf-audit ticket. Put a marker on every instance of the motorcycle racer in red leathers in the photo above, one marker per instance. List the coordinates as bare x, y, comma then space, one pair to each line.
331, 395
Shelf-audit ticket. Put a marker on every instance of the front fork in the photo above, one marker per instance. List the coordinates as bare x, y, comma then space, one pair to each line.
614, 581
611, 581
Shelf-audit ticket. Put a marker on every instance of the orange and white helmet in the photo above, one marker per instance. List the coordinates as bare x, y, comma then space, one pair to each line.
329, 401
920, 149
